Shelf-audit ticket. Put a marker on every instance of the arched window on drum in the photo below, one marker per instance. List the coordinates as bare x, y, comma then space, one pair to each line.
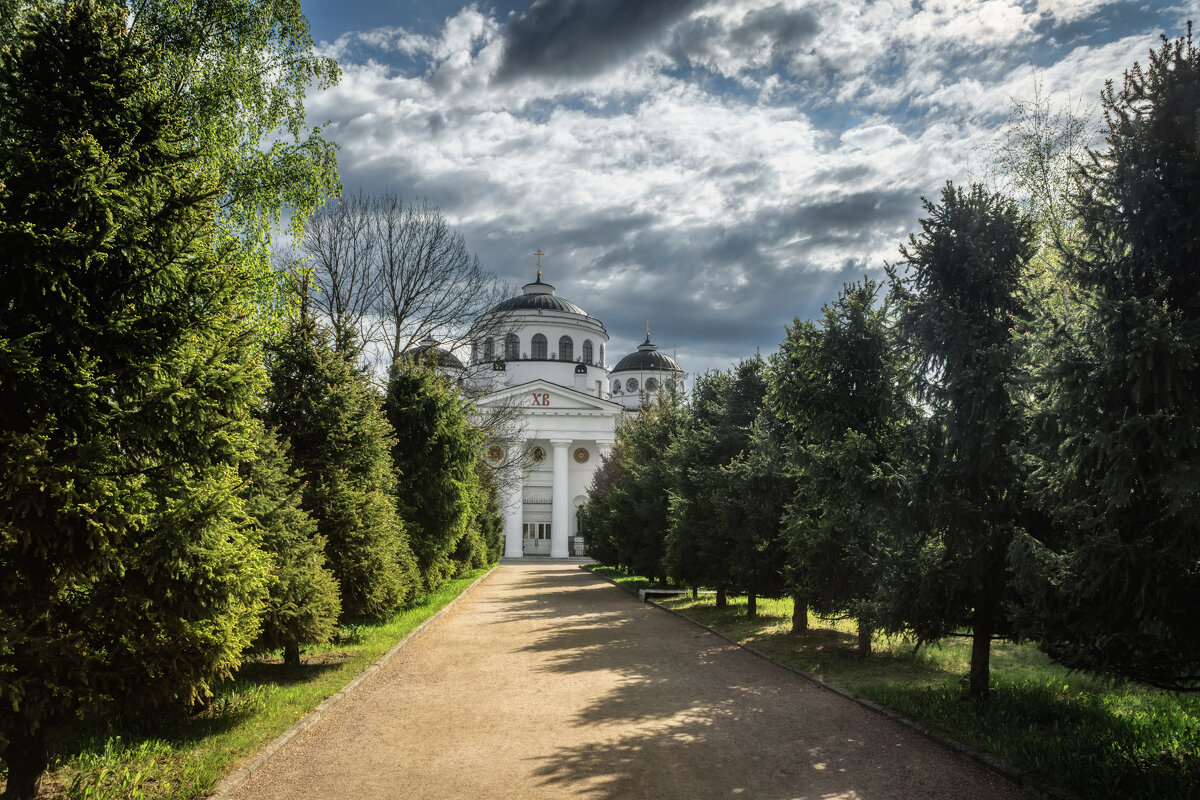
537, 347
566, 349
512, 348
587, 351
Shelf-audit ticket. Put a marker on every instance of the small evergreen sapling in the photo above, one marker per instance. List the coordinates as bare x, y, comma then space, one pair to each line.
303, 603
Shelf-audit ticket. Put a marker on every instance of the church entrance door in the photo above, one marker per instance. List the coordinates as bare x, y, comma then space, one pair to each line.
535, 540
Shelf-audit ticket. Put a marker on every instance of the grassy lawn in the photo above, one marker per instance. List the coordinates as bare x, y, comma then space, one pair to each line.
1094, 737
178, 756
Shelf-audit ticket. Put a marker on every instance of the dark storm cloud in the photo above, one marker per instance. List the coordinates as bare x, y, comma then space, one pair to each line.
582, 37
786, 29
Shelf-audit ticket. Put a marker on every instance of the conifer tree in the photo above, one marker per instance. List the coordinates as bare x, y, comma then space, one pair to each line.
322, 402
303, 603
1115, 586
434, 454
957, 308
128, 371
835, 386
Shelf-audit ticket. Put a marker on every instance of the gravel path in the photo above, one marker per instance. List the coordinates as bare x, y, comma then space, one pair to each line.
548, 682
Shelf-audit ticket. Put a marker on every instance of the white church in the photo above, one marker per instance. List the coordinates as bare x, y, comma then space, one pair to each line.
549, 362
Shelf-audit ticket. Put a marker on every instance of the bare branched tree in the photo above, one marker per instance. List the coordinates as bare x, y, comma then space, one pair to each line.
428, 284
340, 238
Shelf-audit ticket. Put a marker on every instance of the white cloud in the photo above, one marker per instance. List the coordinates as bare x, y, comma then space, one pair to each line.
644, 177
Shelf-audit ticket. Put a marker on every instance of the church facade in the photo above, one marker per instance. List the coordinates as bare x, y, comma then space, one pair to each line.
549, 367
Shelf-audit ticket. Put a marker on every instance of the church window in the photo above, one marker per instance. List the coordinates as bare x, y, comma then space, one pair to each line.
512, 347
537, 348
566, 349
489, 349
631, 385
651, 384
474, 352
616, 387
587, 351
601, 354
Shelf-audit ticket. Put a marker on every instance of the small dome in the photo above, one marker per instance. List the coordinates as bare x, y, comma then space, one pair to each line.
647, 358
430, 349
538, 296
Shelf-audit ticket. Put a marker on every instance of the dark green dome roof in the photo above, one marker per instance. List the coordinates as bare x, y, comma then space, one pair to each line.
647, 358
429, 349
538, 296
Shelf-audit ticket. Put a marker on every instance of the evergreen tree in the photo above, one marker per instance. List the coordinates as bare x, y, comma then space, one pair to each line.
836, 389
302, 604
434, 454
698, 543
958, 306
628, 525
1115, 586
128, 371
323, 404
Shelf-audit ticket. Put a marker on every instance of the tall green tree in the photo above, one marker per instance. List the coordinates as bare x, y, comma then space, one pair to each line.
303, 603
434, 454
628, 525
323, 403
697, 545
958, 305
1115, 586
836, 388
128, 371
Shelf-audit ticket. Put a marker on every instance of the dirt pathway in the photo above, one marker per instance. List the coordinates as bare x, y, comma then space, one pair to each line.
547, 682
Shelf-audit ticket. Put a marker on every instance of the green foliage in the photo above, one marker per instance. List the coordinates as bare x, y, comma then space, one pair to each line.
239, 72
303, 603
725, 494
1115, 586
128, 371
627, 524
836, 390
957, 308
323, 404
435, 453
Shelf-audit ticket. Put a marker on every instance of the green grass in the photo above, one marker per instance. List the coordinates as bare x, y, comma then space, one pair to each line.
1088, 735
176, 756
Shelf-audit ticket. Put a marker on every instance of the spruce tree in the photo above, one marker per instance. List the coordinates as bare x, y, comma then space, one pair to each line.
128, 371
434, 454
958, 305
1114, 587
303, 603
322, 402
835, 386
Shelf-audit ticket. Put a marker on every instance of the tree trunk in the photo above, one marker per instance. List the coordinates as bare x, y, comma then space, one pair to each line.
291, 652
751, 605
26, 757
981, 651
722, 601
695, 592
799, 614
865, 632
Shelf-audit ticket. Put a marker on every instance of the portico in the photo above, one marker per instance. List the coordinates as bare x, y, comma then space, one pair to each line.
566, 431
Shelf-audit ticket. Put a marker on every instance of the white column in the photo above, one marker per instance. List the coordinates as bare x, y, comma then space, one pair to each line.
560, 512
514, 508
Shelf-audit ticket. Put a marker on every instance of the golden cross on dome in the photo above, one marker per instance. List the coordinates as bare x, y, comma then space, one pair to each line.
539, 254
647, 329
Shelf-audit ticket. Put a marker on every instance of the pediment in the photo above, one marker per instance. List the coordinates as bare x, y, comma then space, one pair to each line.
544, 396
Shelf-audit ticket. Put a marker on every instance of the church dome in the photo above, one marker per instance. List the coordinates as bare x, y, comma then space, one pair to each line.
429, 349
538, 296
647, 358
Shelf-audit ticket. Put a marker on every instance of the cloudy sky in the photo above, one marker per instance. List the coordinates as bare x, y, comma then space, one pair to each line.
721, 166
